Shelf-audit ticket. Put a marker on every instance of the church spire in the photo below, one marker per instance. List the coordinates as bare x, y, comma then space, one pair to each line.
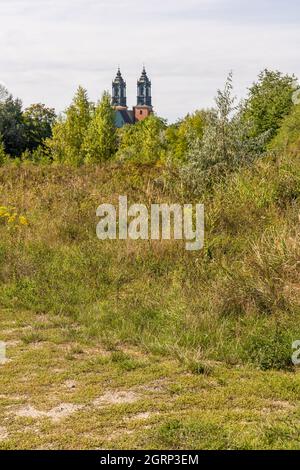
144, 90
119, 90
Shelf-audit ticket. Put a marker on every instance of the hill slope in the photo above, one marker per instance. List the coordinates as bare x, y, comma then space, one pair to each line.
170, 348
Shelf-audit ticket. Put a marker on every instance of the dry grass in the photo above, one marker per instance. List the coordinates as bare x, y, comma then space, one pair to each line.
74, 307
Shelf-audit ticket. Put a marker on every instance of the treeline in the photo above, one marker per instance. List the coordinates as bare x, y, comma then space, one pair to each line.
203, 146
23, 130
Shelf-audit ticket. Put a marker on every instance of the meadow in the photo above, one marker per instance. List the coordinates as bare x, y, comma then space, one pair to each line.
142, 344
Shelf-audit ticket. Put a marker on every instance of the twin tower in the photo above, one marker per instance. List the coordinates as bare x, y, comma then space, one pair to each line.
143, 107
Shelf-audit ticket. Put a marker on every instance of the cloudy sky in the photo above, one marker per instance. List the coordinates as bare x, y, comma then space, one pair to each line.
49, 47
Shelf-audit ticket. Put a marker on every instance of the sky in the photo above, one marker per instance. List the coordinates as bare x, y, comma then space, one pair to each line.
49, 47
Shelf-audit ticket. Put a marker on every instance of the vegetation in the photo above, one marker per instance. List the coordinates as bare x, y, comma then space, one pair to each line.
288, 137
69, 133
142, 344
225, 145
20, 130
144, 143
269, 101
100, 142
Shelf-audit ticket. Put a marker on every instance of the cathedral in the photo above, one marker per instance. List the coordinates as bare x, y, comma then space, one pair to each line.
143, 107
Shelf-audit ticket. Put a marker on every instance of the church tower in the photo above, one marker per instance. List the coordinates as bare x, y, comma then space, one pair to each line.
119, 91
144, 90
143, 107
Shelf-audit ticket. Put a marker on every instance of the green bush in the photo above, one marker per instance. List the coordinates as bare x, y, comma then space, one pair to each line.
288, 137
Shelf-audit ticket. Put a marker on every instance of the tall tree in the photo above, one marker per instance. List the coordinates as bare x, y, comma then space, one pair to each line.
145, 142
100, 143
38, 121
269, 101
178, 135
3, 93
11, 124
69, 132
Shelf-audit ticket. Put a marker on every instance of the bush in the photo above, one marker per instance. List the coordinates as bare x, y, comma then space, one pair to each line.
226, 144
288, 137
143, 143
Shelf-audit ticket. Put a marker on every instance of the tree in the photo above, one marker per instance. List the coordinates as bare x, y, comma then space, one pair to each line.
269, 101
226, 144
11, 124
100, 142
178, 135
145, 142
288, 136
38, 121
3, 93
70, 130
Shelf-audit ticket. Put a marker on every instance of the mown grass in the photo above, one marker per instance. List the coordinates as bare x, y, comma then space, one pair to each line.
215, 315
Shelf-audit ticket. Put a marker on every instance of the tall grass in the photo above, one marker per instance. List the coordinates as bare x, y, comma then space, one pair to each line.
236, 301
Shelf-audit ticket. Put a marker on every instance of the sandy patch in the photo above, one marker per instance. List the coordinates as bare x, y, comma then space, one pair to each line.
116, 398
70, 384
3, 433
55, 414
141, 416
156, 386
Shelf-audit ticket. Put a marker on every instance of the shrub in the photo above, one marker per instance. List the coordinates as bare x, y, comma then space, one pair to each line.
226, 144
288, 137
144, 142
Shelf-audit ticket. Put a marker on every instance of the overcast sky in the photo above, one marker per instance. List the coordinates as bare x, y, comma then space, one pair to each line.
49, 47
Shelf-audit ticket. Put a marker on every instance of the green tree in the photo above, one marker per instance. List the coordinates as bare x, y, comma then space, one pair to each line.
11, 124
178, 135
288, 137
100, 143
145, 142
38, 121
269, 101
3, 93
69, 131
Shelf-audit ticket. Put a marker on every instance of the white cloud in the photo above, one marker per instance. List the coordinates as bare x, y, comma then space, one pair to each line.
48, 47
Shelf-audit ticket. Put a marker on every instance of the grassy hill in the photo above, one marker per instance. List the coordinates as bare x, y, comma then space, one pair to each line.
140, 344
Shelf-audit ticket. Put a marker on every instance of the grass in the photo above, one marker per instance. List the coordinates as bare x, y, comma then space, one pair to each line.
124, 344
156, 402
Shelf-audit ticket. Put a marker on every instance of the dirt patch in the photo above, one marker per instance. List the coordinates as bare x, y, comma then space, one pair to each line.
141, 416
116, 398
70, 384
13, 397
5, 361
158, 386
120, 433
282, 404
55, 414
13, 343
3, 433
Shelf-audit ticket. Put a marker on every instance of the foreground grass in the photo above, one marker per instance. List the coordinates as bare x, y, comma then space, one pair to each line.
58, 393
144, 345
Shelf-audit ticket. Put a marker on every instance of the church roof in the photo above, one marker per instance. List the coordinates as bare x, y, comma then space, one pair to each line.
124, 116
